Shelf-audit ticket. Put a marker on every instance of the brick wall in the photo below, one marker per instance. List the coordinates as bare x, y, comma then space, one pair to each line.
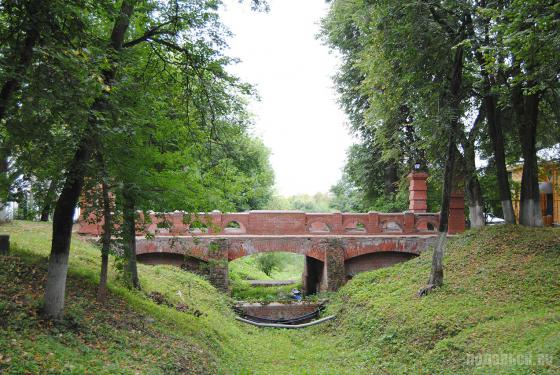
279, 310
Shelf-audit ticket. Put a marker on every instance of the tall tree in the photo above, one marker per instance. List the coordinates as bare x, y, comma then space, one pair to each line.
527, 34
74, 179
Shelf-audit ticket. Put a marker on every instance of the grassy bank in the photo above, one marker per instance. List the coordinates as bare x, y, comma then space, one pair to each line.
177, 324
499, 308
501, 296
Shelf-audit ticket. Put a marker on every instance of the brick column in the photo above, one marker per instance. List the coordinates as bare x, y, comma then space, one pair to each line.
418, 192
456, 212
337, 223
409, 222
373, 225
334, 274
218, 264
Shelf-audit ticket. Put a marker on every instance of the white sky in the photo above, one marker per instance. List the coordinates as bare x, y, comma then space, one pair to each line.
298, 117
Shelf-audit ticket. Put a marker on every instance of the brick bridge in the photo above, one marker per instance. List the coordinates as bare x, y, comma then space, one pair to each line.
336, 246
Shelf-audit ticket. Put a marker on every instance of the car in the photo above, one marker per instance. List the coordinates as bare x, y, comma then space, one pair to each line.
491, 219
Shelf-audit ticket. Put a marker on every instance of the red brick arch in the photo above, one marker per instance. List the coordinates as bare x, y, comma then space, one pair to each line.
410, 245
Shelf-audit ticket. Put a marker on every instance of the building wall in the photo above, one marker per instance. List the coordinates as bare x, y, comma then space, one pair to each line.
547, 172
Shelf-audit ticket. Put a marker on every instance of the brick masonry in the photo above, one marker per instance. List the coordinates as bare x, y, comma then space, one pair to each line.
279, 310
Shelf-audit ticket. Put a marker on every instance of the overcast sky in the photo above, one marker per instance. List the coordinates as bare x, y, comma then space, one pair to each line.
298, 117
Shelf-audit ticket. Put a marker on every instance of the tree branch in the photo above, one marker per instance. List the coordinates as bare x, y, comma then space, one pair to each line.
154, 31
440, 21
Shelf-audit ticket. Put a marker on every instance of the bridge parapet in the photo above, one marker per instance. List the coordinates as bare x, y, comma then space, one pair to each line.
278, 223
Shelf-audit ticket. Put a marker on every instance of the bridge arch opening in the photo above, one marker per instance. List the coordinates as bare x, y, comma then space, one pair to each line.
313, 275
266, 276
373, 261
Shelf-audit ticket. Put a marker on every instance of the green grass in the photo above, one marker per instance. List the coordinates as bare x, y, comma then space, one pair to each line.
243, 291
246, 269
501, 296
131, 333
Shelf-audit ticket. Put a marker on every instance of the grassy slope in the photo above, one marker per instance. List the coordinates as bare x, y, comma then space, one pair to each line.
501, 296
131, 334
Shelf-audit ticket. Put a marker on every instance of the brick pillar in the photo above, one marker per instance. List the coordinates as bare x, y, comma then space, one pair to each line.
337, 223
334, 274
218, 264
456, 212
418, 192
373, 223
409, 223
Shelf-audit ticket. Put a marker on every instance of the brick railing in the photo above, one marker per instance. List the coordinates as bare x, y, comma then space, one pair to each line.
280, 223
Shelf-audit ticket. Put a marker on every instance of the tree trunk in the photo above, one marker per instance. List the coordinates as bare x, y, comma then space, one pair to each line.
5, 181
4, 244
68, 199
527, 109
46, 211
436, 274
473, 191
391, 177
129, 227
494, 120
106, 243
62, 232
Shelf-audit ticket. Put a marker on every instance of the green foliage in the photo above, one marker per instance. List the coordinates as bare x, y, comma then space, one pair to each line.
246, 269
170, 120
290, 267
395, 83
319, 202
